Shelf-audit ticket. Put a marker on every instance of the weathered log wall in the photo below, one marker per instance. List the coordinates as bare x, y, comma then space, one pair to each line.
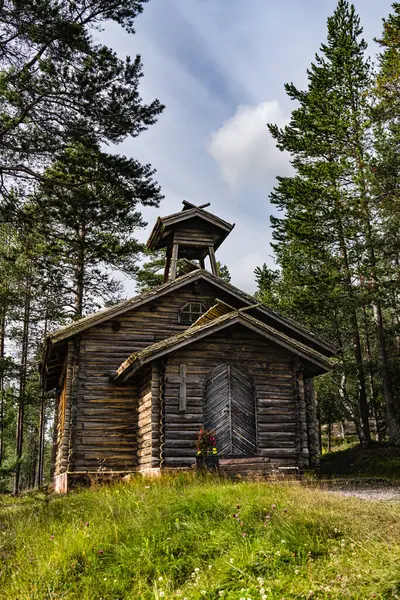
107, 415
64, 414
105, 423
271, 369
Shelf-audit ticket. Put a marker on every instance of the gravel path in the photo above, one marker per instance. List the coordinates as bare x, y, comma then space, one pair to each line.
383, 494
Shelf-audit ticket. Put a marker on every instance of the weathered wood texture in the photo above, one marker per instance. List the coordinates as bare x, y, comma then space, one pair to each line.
64, 414
312, 423
107, 415
105, 425
300, 403
271, 370
230, 411
144, 432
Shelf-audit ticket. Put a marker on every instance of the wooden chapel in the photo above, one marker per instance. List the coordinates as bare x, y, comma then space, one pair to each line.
136, 381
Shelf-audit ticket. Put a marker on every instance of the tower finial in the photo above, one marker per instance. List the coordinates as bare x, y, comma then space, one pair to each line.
188, 205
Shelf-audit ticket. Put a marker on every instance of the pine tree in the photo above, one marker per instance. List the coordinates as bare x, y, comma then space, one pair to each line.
59, 86
90, 221
324, 234
386, 188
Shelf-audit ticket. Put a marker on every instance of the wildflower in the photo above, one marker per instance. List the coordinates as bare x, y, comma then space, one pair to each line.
244, 534
231, 560
260, 580
160, 578
52, 537
277, 553
273, 506
268, 516
196, 570
161, 593
100, 551
283, 541
147, 487
262, 590
221, 593
296, 571
87, 524
210, 566
105, 578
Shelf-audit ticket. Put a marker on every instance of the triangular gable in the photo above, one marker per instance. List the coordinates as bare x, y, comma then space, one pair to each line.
194, 333
108, 313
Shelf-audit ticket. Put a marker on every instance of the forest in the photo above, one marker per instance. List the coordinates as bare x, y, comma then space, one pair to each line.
71, 209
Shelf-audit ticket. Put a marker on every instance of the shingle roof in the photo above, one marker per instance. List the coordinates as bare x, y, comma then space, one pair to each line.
164, 224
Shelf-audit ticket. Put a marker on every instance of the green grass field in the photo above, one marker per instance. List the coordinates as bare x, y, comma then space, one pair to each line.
182, 537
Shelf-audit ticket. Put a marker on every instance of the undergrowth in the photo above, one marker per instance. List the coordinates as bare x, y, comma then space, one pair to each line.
379, 460
183, 537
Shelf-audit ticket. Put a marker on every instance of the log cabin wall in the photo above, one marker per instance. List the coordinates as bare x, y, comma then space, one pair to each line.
157, 412
106, 419
312, 423
105, 425
271, 369
144, 435
64, 415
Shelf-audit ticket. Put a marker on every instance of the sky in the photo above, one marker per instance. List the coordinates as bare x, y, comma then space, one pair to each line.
220, 66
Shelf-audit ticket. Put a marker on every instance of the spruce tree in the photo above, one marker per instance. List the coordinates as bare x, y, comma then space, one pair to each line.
317, 242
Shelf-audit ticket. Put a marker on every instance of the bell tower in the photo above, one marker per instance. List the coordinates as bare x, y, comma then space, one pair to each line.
193, 233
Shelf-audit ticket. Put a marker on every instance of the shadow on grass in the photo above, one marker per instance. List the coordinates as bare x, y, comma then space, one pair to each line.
378, 461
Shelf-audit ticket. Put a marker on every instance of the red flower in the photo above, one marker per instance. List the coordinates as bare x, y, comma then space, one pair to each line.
100, 552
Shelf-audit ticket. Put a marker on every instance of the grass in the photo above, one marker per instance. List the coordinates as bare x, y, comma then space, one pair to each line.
178, 538
379, 460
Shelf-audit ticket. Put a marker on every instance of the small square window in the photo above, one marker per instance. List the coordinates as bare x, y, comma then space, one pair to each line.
191, 312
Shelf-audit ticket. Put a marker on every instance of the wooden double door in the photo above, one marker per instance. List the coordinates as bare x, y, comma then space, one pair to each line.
229, 410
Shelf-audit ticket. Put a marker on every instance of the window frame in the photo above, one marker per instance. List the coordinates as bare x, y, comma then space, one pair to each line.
187, 309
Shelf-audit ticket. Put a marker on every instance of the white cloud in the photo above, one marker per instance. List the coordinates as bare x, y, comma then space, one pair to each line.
244, 148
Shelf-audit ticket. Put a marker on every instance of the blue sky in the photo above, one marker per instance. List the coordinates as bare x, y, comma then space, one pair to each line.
219, 66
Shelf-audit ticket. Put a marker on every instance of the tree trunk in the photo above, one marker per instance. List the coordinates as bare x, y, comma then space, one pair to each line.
373, 390
392, 414
42, 420
2, 401
22, 388
365, 438
80, 274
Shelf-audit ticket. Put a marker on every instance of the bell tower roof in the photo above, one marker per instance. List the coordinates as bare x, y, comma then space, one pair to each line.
192, 233
193, 218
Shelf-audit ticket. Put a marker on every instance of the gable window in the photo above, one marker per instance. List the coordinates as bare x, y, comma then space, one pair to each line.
192, 310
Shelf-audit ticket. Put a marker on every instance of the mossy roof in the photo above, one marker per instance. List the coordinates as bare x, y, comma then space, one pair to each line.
215, 319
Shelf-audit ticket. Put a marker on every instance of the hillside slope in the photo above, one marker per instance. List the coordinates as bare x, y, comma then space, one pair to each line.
198, 538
